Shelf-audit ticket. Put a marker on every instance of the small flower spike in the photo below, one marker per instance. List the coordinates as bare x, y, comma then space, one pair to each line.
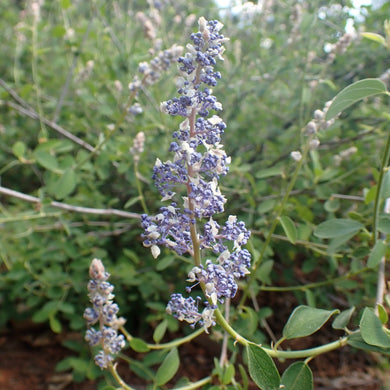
104, 312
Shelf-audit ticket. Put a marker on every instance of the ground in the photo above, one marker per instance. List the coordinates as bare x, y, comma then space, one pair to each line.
28, 360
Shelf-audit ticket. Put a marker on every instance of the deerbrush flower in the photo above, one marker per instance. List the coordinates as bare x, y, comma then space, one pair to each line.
104, 312
199, 161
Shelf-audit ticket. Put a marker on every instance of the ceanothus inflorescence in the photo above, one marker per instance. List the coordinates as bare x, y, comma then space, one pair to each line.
186, 225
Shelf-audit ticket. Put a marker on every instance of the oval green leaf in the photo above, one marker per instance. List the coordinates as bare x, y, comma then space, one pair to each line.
289, 228
19, 149
355, 340
376, 254
306, 320
138, 345
337, 227
262, 368
372, 329
341, 320
159, 332
65, 184
168, 368
46, 160
353, 93
298, 376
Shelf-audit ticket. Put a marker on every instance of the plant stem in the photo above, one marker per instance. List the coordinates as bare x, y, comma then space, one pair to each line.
195, 385
304, 353
385, 163
112, 368
171, 344
118, 123
139, 189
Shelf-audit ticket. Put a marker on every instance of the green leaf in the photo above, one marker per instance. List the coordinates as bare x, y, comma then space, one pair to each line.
289, 228
228, 374
269, 172
376, 254
370, 195
138, 345
372, 329
306, 320
384, 224
19, 149
262, 368
353, 93
244, 376
382, 313
337, 242
375, 37
46, 160
355, 340
55, 324
65, 184
337, 227
298, 376
159, 332
341, 320
46, 311
264, 271
168, 368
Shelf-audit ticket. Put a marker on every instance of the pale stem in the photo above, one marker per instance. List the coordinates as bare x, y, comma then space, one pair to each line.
171, 344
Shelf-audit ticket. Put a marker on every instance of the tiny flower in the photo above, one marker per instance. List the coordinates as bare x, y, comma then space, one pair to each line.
296, 155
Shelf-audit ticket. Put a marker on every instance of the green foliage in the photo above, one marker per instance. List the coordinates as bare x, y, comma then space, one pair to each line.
298, 376
262, 368
79, 193
306, 320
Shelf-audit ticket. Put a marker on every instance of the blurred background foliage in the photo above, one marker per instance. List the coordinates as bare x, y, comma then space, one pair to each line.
70, 66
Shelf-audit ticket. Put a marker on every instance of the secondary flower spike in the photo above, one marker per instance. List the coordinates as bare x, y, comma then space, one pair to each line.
103, 312
190, 182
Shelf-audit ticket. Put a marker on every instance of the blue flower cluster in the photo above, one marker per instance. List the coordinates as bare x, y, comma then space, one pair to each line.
198, 163
104, 311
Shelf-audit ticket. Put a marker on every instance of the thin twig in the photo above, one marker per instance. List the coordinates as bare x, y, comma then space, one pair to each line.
24, 108
68, 207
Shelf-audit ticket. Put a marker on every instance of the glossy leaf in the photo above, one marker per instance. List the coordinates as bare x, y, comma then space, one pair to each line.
289, 228
337, 227
376, 254
342, 319
298, 376
168, 368
372, 329
353, 93
306, 320
262, 369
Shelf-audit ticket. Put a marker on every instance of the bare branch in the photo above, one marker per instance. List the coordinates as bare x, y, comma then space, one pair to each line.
24, 108
68, 207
